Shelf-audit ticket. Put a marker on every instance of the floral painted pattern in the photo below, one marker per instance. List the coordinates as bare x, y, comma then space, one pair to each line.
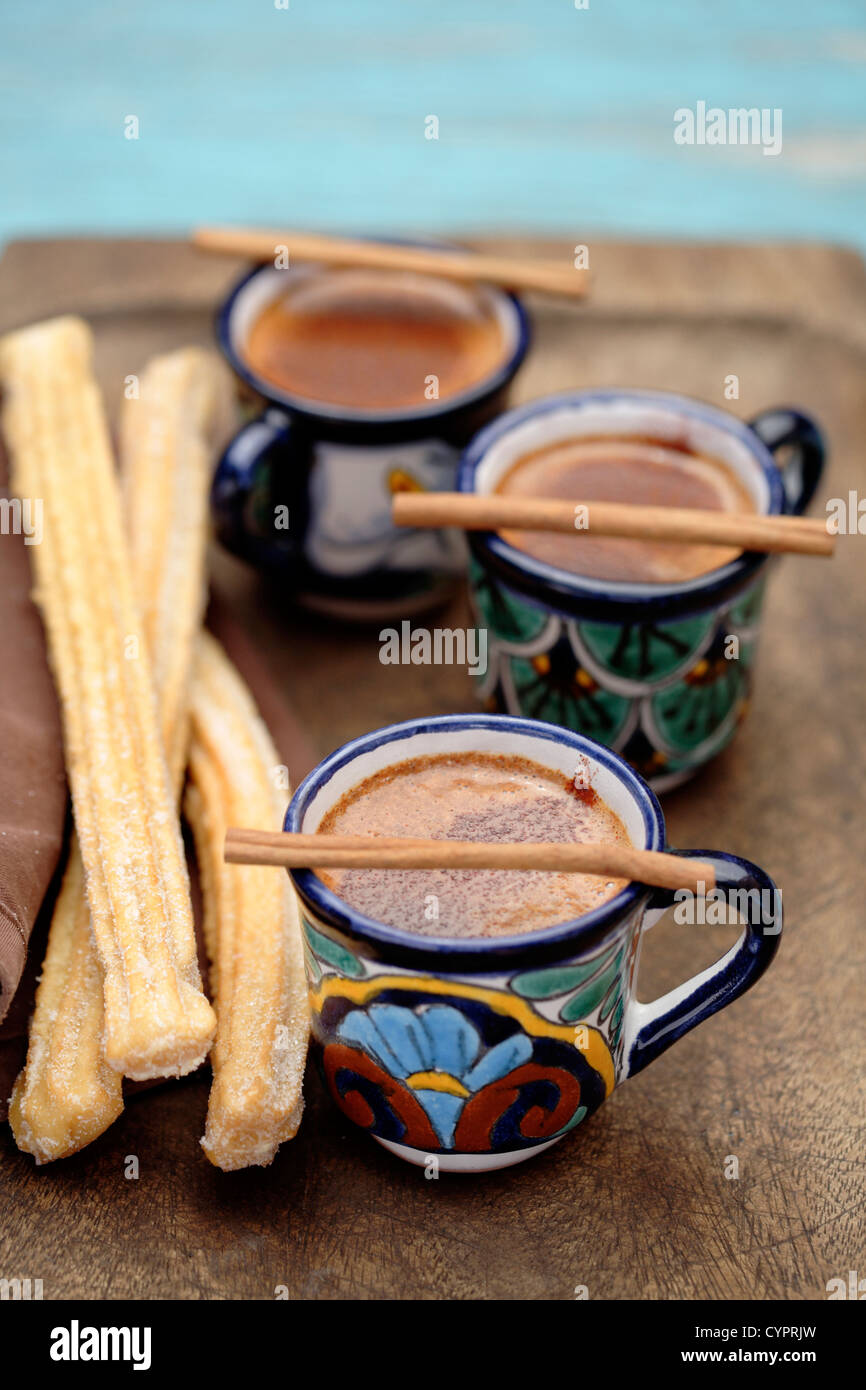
437, 1053
665, 695
469, 1066
522, 625
551, 686
579, 989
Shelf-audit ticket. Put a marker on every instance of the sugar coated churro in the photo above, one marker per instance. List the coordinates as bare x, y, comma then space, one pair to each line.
251, 924
166, 455
157, 1021
66, 1094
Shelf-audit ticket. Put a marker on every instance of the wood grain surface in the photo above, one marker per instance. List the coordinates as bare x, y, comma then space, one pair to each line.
635, 1204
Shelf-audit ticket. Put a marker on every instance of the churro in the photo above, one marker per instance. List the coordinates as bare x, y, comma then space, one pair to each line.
67, 1095
157, 1021
166, 439
251, 924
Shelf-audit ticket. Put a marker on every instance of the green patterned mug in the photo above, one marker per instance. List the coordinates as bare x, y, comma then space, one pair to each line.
650, 670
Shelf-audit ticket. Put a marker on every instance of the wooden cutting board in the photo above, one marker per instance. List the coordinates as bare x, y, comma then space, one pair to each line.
636, 1204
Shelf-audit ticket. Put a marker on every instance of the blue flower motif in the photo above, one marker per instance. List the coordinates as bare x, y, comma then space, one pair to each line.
436, 1052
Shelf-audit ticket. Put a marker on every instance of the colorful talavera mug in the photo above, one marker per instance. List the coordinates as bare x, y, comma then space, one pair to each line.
333, 471
645, 668
482, 1052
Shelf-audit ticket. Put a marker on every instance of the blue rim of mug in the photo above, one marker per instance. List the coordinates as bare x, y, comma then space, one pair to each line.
550, 584
466, 952
322, 411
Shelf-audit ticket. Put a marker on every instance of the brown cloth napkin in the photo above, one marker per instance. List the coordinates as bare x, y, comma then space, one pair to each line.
32, 775
33, 793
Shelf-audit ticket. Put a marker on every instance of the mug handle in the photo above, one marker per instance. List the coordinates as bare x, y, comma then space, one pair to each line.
787, 428
243, 480
651, 1028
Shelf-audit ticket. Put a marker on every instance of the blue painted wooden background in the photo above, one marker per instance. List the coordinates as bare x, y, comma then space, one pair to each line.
550, 118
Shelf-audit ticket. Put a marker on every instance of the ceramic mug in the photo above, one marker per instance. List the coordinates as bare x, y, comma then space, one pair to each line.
333, 471
645, 668
483, 1052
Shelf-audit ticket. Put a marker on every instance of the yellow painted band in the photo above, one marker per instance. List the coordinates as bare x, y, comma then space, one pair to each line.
437, 1081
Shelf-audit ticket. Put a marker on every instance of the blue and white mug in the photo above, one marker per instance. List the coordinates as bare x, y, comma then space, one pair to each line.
477, 1053
332, 471
648, 669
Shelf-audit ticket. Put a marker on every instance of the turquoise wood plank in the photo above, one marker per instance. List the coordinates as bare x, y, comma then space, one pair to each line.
551, 119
